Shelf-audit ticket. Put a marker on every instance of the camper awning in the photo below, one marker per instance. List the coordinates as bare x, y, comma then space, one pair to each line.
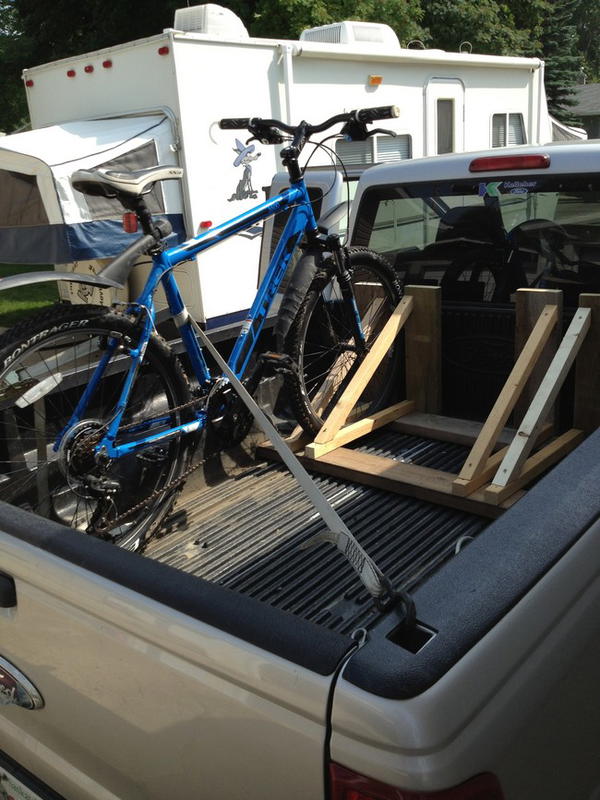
44, 220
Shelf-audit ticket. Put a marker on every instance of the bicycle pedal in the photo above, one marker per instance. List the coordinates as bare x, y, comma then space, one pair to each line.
280, 363
153, 455
176, 521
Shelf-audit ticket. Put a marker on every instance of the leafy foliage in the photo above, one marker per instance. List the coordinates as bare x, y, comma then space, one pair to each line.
563, 61
487, 25
288, 18
13, 47
587, 20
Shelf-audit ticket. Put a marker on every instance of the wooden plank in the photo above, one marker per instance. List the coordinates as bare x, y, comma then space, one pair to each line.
446, 429
535, 465
408, 479
466, 487
529, 304
365, 372
478, 457
586, 415
423, 345
544, 398
359, 428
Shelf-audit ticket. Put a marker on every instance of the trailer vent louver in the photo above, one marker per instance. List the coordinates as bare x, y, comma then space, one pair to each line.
356, 33
378, 150
210, 19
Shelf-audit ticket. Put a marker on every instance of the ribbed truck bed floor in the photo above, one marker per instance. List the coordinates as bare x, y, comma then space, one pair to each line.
247, 534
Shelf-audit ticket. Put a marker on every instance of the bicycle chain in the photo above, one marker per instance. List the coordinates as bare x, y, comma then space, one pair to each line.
101, 526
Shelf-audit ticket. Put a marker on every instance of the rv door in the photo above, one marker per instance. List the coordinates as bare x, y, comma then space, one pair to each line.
444, 116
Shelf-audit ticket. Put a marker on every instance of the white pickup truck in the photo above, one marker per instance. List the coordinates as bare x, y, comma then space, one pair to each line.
228, 662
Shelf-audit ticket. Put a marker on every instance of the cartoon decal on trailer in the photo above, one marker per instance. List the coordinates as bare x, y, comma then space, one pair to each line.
244, 158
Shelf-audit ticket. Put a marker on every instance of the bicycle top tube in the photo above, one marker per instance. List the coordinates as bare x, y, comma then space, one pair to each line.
191, 247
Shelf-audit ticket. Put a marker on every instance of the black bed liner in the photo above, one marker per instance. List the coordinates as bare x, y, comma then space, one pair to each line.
246, 535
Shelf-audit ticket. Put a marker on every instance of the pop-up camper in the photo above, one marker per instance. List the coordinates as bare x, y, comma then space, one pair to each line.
157, 100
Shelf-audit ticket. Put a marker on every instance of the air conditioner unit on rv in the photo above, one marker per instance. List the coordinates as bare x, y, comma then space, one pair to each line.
211, 19
351, 32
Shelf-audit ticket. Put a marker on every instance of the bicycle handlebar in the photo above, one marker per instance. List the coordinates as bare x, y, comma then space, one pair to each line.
381, 112
234, 124
363, 115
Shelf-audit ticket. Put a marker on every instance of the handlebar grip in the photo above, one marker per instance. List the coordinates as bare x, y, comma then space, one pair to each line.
382, 112
234, 124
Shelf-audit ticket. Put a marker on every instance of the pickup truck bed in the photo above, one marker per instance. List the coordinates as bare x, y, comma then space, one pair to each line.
246, 534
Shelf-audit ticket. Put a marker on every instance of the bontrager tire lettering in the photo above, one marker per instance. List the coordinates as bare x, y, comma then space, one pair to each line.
39, 336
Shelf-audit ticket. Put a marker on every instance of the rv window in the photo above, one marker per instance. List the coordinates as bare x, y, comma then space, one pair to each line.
376, 150
482, 242
508, 129
445, 126
20, 201
141, 157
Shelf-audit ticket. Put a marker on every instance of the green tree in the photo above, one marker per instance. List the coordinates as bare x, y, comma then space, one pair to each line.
487, 25
73, 27
588, 25
563, 60
287, 18
14, 47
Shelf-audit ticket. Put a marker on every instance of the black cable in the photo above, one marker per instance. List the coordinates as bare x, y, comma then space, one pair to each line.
335, 157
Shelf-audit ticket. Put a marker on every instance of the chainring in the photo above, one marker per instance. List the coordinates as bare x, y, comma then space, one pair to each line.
228, 419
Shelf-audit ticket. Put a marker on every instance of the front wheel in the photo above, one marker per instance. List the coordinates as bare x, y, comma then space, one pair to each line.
321, 341
47, 464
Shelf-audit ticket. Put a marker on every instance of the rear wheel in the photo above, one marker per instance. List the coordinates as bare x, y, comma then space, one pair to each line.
45, 365
321, 341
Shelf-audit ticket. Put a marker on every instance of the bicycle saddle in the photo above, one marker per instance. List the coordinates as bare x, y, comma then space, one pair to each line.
111, 183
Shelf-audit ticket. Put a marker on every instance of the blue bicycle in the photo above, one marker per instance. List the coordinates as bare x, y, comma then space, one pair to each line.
99, 419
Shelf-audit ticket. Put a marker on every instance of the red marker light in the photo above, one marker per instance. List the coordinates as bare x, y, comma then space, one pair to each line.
130, 223
29, 82
71, 73
505, 163
107, 64
163, 51
88, 68
205, 225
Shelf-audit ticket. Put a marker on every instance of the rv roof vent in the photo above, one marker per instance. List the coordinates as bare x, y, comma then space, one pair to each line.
363, 33
211, 19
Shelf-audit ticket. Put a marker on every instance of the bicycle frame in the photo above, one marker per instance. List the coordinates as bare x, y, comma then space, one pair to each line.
301, 221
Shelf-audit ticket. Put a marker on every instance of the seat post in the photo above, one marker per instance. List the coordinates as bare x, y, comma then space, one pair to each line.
138, 204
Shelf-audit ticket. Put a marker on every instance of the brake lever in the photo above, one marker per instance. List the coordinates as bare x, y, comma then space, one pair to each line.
355, 131
265, 135
381, 130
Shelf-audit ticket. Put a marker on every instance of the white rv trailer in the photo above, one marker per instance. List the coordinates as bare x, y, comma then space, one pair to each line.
159, 100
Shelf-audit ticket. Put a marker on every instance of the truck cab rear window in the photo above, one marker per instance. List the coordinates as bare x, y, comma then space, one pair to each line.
481, 241
20, 201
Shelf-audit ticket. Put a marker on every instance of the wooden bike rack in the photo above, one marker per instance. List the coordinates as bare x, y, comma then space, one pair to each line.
501, 461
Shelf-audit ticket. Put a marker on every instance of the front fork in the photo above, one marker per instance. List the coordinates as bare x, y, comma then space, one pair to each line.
340, 258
